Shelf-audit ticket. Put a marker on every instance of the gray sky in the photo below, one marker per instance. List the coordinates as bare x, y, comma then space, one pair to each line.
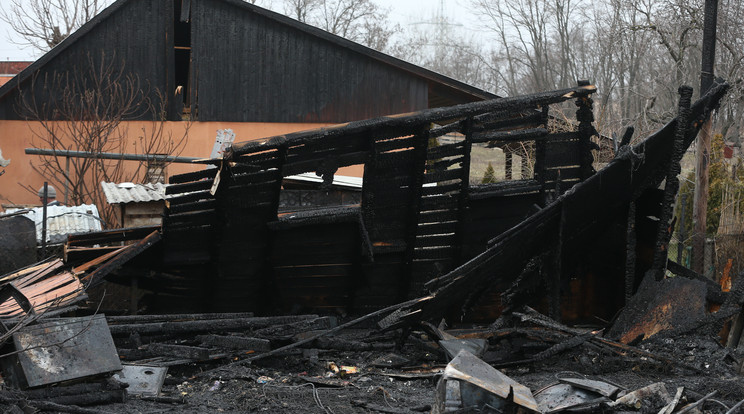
404, 12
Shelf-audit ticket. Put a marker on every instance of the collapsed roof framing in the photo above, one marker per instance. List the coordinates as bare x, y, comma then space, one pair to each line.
420, 225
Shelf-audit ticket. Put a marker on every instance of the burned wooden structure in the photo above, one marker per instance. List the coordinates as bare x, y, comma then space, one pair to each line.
419, 218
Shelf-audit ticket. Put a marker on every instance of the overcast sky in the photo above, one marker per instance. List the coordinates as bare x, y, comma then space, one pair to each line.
404, 12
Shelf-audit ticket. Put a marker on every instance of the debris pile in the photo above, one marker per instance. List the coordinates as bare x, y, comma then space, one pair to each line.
525, 362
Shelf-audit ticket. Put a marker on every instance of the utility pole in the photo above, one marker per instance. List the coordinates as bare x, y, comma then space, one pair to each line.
700, 204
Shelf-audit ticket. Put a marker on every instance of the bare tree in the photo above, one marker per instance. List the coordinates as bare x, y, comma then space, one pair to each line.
361, 21
44, 24
440, 49
301, 10
83, 110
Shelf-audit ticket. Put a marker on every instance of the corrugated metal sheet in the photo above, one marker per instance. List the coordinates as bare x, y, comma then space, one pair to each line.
64, 220
133, 193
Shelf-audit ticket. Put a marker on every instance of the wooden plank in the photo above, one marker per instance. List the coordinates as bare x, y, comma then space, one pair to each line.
95, 262
436, 241
437, 228
343, 160
110, 236
389, 145
440, 189
188, 187
439, 253
190, 198
193, 176
193, 206
531, 119
530, 134
256, 176
195, 218
447, 150
439, 176
440, 202
437, 216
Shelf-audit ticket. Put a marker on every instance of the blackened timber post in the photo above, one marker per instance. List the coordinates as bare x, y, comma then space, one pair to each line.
702, 148
281, 157
45, 200
681, 230
671, 186
630, 252
463, 204
585, 116
555, 272
540, 165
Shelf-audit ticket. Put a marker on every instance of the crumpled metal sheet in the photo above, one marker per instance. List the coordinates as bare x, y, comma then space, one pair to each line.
474, 383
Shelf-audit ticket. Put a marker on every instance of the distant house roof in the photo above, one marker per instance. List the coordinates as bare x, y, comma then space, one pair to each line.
63, 220
123, 193
12, 67
9, 69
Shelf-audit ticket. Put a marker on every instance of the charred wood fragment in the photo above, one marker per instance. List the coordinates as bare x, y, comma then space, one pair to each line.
235, 342
672, 183
179, 351
185, 327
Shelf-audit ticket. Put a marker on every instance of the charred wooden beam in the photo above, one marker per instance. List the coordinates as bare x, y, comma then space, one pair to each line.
179, 351
187, 327
518, 135
235, 342
412, 122
117, 320
110, 236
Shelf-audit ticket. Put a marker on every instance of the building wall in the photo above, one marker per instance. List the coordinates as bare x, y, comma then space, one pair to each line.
132, 38
15, 136
268, 71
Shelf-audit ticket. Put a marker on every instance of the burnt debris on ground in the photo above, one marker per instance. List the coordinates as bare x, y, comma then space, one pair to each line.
548, 293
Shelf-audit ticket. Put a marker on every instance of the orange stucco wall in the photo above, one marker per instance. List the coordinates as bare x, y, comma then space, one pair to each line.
15, 136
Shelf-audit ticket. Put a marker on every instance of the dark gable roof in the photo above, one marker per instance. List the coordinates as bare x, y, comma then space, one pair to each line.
72, 38
436, 80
